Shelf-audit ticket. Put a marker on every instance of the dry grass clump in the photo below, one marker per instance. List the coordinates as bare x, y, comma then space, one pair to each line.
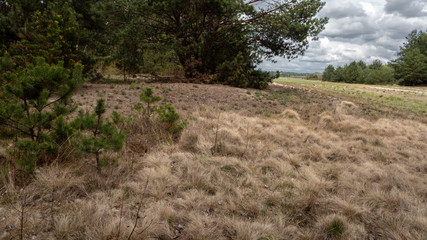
291, 114
346, 107
237, 177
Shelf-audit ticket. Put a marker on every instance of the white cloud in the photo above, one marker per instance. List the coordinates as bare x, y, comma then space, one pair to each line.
358, 30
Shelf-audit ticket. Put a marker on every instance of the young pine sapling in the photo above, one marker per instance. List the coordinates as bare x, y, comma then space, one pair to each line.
148, 98
101, 135
33, 100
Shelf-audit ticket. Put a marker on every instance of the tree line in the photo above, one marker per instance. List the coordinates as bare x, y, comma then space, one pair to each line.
219, 41
410, 68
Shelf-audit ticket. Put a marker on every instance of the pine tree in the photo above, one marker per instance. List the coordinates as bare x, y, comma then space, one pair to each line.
100, 135
411, 66
32, 103
148, 98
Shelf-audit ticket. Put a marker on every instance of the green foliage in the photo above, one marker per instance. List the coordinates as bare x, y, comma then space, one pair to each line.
208, 35
51, 34
6, 63
128, 51
26, 153
328, 73
293, 74
168, 115
68, 31
36, 95
336, 228
98, 135
15, 17
148, 98
62, 131
235, 72
411, 66
353, 73
359, 72
32, 104
312, 76
379, 75
240, 73
160, 59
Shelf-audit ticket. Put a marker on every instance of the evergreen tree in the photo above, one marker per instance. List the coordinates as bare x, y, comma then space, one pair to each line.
148, 98
328, 73
379, 75
376, 65
32, 103
129, 51
359, 72
353, 73
411, 66
339, 74
103, 135
207, 35
50, 33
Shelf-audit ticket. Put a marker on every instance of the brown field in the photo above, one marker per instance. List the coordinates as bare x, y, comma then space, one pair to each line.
290, 162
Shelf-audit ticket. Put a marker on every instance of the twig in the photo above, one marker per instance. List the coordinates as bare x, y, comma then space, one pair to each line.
247, 141
121, 215
138, 210
52, 205
143, 230
215, 148
22, 212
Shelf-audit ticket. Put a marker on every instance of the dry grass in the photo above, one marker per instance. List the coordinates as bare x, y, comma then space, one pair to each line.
232, 176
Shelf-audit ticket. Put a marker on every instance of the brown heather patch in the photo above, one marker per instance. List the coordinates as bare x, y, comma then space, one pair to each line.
334, 175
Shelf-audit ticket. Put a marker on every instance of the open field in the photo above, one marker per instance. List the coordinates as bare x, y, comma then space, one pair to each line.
398, 98
300, 160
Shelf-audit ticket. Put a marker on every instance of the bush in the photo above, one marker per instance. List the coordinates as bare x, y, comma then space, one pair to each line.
312, 76
32, 105
240, 73
168, 115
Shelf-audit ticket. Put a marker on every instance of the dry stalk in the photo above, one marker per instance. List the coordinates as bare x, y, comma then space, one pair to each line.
52, 206
215, 147
121, 216
22, 215
137, 212
247, 141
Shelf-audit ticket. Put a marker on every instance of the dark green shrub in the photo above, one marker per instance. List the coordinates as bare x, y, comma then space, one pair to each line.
336, 228
33, 101
240, 73
168, 115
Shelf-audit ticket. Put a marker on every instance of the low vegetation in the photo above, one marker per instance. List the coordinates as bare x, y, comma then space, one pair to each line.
337, 174
385, 98
143, 158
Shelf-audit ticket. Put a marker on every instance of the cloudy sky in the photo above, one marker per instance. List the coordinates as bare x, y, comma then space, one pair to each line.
358, 30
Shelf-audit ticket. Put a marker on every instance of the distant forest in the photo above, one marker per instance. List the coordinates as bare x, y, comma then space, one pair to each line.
410, 68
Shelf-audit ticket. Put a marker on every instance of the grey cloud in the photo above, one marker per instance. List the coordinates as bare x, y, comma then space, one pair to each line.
342, 10
407, 8
350, 29
363, 30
